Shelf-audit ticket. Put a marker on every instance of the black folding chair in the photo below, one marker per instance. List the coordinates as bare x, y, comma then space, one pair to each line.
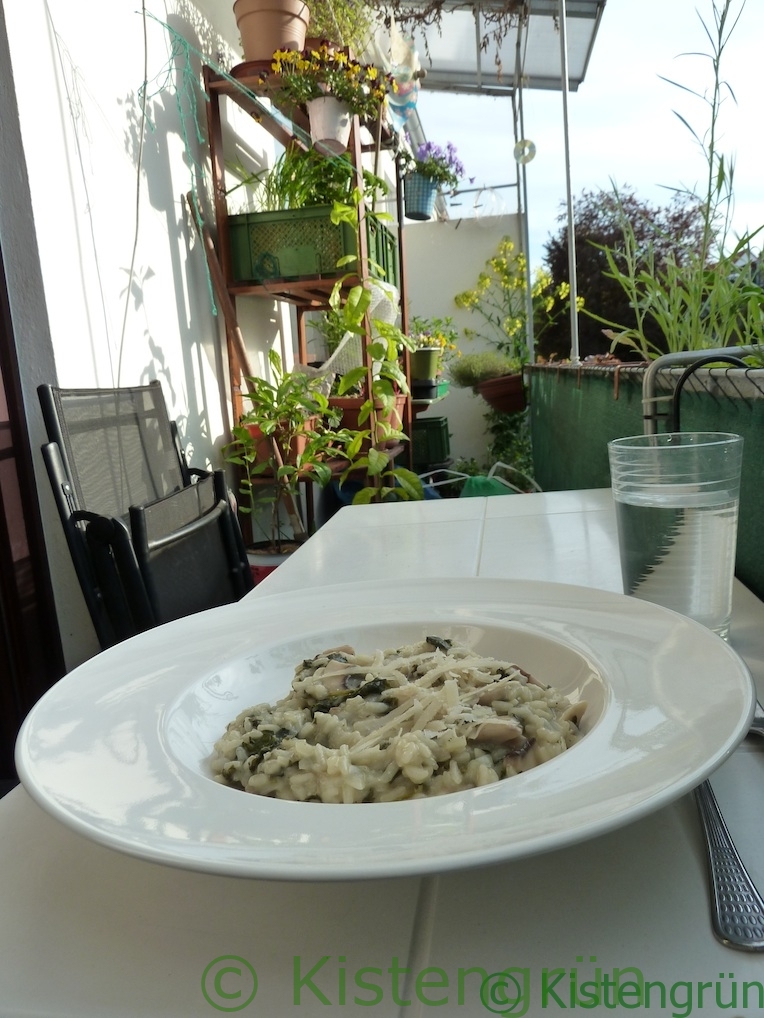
151, 539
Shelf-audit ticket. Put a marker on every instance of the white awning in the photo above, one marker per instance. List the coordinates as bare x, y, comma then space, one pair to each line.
452, 56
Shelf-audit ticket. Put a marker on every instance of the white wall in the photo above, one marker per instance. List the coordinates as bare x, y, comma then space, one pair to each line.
442, 260
107, 280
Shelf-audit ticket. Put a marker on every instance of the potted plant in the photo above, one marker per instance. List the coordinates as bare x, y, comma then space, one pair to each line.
429, 169
500, 299
435, 345
299, 227
289, 434
269, 25
492, 375
333, 86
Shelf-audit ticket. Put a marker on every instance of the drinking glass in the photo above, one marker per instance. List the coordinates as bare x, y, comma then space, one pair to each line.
676, 498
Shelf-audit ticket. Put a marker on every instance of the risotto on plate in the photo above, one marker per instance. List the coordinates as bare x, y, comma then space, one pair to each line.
422, 720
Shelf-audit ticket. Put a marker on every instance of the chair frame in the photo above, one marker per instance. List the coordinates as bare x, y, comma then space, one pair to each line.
110, 553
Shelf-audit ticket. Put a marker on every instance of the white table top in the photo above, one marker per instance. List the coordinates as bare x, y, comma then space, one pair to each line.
86, 931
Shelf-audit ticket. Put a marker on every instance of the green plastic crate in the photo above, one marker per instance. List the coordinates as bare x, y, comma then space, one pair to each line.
294, 243
383, 252
430, 442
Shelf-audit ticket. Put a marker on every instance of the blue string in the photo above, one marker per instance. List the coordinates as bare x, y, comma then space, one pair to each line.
189, 88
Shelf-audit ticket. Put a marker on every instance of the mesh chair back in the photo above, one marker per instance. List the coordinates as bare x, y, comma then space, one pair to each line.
118, 445
177, 542
148, 546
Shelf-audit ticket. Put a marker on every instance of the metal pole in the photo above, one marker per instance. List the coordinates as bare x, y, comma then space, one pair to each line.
523, 197
574, 351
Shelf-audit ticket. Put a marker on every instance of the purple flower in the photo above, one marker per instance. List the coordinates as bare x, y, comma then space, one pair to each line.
439, 164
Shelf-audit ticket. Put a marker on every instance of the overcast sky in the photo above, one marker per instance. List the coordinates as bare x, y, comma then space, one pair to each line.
622, 124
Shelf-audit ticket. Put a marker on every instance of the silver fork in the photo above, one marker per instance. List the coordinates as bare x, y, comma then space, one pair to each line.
737, 908
757, 724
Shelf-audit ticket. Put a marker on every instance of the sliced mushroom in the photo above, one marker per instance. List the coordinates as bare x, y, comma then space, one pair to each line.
522, 747
344, 649
575, 712
491, 692
337, 675
530, 678
496, 732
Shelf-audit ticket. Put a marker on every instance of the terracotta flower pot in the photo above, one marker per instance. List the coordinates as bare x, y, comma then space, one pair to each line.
351, 407
268, 25
265, 450
263, 560
505, 394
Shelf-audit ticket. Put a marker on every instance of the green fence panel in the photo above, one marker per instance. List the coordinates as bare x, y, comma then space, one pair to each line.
576, 411
574, 414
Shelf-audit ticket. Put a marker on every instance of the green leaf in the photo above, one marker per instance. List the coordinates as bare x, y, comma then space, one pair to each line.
410, 482
356, 304
350, 379
378, 461
354, 447
323, 473
395, 373
364, 496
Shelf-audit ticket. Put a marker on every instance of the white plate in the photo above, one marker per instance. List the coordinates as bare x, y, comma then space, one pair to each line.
118, 749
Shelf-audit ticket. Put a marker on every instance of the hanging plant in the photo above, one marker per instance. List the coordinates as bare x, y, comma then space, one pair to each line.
441, 165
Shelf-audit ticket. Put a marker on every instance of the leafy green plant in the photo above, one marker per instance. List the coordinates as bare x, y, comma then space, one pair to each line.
346, 313
289, 431
706, 296
695, 305
387, 376
301, 179
379, 382
347, 212
598, 217
510, 440
397, 484
345, 22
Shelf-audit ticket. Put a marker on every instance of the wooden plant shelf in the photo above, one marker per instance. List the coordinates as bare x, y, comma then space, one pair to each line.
309, 292
257, 77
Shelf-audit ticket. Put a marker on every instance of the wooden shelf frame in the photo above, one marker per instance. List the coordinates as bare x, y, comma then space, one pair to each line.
310, 293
